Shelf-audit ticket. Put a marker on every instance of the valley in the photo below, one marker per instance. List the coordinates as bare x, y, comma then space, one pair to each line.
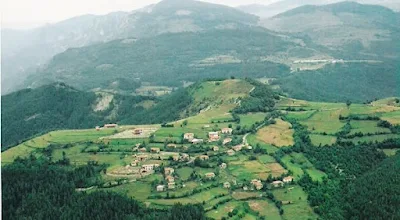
235, 165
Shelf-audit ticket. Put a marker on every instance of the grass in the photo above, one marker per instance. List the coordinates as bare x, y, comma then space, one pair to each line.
254, 141
265, 158
249, 119
325, 121
138, 190
245, 195
184, 172
279, 134
299, 208
316, 175
390, 152
193, 199
304, 115
366, 127
223, 210
317, 139
392, 117
297, 162
266, 208
248, 170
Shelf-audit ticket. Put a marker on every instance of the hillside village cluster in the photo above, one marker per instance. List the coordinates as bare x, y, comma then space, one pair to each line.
144, 154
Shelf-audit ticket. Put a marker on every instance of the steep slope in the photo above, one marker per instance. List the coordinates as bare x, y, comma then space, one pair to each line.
166, 60
24, 50
347, 27
30, 112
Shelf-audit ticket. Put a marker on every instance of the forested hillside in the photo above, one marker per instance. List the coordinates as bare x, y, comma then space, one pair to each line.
357, 82
166, 60
30, 112
39, 189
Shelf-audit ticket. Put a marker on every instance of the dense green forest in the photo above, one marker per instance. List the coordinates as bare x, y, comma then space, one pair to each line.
165, 60
357, 82
39, 189
31, 112
361, 183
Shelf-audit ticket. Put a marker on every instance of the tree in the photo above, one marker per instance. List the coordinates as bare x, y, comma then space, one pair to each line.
348, 103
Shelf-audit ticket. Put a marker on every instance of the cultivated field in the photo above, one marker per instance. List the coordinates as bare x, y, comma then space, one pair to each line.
279, 134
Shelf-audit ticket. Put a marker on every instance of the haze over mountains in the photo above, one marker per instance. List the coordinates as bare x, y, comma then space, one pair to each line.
176, 41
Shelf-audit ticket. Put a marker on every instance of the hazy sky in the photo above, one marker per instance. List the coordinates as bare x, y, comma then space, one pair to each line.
31, 13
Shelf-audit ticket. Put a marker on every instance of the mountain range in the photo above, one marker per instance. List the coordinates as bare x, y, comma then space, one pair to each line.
179, 41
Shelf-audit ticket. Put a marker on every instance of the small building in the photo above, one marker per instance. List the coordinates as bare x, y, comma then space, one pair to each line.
215, 148
142, 150
175, 158
227, 185
171, 185
226, 130
138, 131
206, 126
222, 166
188, 136
170, 179
155, 150
149, 167
97, 128
288, 179
171, 146
277, 183
142, 157
197, 141
134, 163
168, 170
185, 157
257, 184
110, 126
230, 152
227, 141
210, 175
204, 157
213, 136
237, 147
160, 188
249, 147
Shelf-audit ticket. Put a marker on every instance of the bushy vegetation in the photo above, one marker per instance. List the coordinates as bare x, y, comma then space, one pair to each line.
38, 189
33, 112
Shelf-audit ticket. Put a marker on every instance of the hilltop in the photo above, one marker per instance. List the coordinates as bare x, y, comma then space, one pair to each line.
22, 56
350, 28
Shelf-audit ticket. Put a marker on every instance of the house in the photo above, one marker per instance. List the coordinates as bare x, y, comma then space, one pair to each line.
168, 170
237, 147
171, 145
138, 131
185, 157
134, 163
245, 188
227, 140
215, 148
213, 136
110, 126
277, 183
288, 179
175, 158
188, 136
170, 179
206, 126
210, 175
257, 184
155, 150
142, 157
197, 141
249, 147
160, 188
97, 128
142, 150
230, 152
222, 166
226, 130
149, 167
171, 185
227, 185
204, 157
